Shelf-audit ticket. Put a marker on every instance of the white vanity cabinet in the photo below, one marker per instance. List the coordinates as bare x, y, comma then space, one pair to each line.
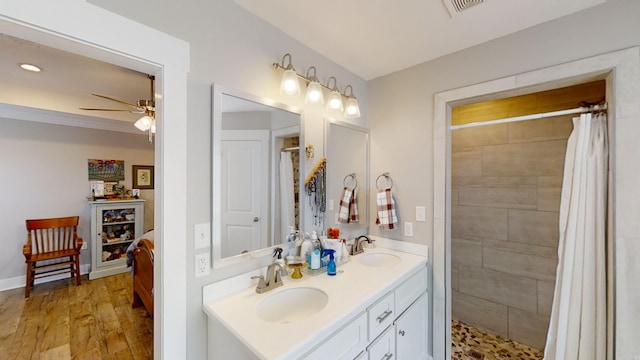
374, 310
396, 324
114, 225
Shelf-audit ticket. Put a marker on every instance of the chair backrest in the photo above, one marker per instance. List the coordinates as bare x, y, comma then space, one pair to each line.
47, 235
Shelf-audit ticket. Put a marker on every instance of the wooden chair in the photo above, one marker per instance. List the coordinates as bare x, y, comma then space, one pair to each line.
52, 245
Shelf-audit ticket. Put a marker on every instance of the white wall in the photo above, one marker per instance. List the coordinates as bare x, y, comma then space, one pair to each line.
407, 98
231, 47
44, 174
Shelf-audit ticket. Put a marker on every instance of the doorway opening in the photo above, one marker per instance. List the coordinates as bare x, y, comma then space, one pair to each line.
623, 64
506, 182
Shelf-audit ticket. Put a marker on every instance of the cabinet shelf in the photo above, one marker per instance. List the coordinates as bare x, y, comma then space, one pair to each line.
116, 242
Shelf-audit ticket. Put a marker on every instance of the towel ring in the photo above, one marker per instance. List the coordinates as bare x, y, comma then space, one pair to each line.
387, 177
353, 177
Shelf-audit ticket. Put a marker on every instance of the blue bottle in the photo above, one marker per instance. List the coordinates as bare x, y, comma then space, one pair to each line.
331, 267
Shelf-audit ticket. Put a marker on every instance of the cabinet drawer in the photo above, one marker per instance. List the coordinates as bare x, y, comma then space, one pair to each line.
384, 347
345, 343
410, 290
381, 315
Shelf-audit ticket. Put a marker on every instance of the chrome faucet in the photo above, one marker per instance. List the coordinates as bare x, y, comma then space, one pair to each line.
273, 279
356, 248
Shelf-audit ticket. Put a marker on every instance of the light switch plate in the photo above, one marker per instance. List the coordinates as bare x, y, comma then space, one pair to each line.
202, 236
330, 205
408, 228
421, 214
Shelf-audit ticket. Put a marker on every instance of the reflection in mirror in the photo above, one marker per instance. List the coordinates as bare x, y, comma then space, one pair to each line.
347, 152
256, 167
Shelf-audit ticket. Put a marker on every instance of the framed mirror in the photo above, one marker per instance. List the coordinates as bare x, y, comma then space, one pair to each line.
347, 152
256, 175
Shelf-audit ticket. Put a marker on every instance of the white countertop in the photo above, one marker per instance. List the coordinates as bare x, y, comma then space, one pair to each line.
350, 292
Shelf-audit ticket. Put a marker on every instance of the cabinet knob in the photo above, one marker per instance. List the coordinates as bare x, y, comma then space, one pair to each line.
401, 332
256, 219
387, 356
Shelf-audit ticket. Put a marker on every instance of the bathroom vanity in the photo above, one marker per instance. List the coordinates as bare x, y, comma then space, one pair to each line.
376, 307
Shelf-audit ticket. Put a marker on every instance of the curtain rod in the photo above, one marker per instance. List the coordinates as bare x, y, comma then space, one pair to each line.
294, 148
583, 109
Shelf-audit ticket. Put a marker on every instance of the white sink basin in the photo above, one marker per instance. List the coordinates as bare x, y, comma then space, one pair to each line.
292, 305
378, 259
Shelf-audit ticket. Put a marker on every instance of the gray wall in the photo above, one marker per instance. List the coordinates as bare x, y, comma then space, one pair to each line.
506, 182
44, 174
231, 47
401, 104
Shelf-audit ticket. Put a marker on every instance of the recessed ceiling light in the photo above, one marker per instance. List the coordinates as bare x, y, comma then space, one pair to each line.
30, 67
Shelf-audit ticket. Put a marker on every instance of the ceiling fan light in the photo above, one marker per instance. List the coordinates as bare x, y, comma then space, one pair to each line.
144, 123
153, 126
290, 85
314, 93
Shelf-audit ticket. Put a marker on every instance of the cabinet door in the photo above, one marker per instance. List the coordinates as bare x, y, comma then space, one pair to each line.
412, 334
118, 226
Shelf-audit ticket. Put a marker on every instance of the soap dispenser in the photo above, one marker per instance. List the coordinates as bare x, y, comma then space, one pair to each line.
331, 267
277, 256
305, 250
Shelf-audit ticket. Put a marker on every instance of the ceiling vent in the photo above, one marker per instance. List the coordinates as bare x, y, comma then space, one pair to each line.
457, 6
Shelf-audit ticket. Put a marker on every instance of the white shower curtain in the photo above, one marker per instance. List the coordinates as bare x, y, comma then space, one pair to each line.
287, 201
577, 329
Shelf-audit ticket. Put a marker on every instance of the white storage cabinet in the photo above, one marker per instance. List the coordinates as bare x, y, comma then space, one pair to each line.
114, 225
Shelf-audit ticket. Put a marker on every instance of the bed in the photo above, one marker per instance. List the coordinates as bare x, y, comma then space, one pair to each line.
140, 258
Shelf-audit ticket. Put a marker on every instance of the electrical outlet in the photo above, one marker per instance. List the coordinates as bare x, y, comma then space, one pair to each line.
84, 245
202, 264
421, 214
408, 228
202, 236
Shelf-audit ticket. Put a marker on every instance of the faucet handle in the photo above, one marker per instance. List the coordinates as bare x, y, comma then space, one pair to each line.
261, 283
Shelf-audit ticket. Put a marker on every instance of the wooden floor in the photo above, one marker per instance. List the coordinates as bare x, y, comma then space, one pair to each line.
64, 321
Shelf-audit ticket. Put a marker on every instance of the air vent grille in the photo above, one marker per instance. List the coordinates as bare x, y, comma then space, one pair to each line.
461, 5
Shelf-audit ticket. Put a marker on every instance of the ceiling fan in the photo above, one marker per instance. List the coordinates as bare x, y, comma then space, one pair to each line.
146, 107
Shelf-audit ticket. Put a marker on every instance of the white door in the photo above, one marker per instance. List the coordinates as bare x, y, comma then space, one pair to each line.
244, 183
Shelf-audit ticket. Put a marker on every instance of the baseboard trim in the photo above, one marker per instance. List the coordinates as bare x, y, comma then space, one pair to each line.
20, 281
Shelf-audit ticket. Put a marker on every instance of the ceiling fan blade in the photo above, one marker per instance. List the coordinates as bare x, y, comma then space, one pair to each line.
93, 109
118, 101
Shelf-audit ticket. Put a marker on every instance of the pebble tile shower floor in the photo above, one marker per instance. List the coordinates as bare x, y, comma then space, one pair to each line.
471, 343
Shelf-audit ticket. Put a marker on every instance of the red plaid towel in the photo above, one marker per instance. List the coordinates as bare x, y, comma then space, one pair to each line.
387, 218
348, 212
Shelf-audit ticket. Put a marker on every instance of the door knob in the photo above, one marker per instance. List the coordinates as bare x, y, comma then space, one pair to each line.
401, 332
256, 219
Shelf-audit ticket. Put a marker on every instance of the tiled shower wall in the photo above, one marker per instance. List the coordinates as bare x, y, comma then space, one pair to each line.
506, 182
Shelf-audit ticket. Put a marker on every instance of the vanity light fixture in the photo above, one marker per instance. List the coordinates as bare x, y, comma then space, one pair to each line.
351, 110
30, 67
289, 85
314, 89
334, 103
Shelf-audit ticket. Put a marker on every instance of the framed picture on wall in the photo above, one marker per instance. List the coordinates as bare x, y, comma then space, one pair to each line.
142, 176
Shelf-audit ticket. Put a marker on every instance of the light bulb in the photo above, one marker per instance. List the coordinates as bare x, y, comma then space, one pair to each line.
290, 85
352, 109
334, 104
144, 123
314, 94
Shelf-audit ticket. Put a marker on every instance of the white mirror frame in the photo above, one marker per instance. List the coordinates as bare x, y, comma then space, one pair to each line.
216, 127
